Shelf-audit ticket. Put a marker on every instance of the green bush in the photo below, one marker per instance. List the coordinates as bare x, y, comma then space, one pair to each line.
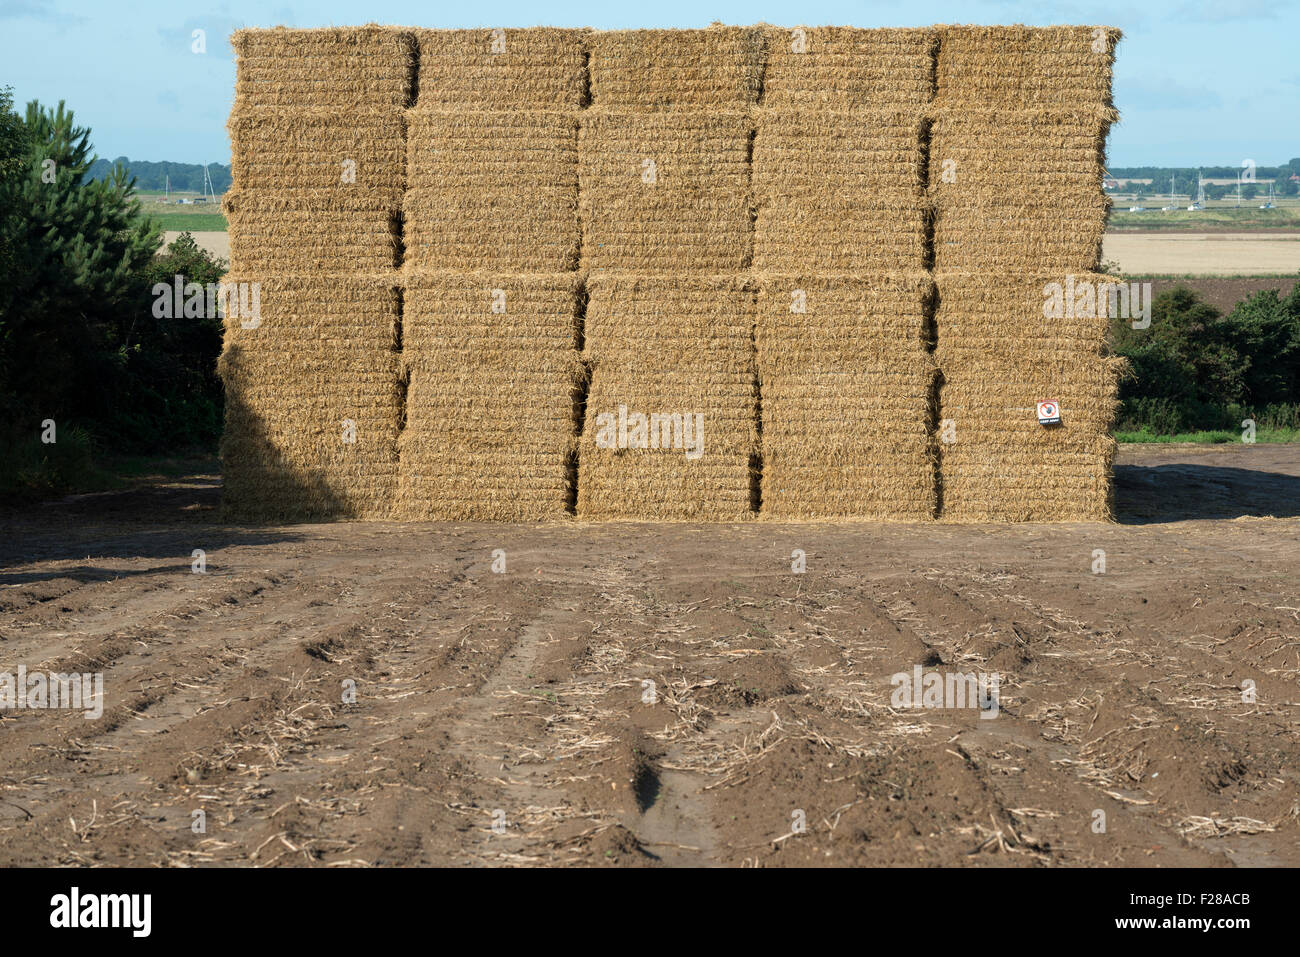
29, 468
1197, 370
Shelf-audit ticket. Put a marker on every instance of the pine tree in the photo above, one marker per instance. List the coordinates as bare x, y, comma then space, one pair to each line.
68, 296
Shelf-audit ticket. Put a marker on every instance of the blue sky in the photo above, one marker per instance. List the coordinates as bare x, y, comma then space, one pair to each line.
1196, 82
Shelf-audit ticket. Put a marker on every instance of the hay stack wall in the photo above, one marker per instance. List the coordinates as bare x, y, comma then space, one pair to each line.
313, 396
510, 263
1019, 125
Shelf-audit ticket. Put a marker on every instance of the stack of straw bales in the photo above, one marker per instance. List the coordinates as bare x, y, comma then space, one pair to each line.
492, 292
494, 375
671, 425
313, 396
682, 274
673, 357
1019, 126
841, 248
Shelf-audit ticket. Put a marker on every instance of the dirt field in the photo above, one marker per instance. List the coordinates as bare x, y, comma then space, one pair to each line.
216, 243
1203, 254
523, 697
1223, 293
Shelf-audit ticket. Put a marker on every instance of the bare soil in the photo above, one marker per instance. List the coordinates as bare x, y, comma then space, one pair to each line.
1222, 293
641, 694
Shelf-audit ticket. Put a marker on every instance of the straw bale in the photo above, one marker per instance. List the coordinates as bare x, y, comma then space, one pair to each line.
492, 190
1047, 481
847, 394
808, 319
990, 316
698, 323
322, 148
493, 319
1024, 67
661, 346
536, 68
358, 68
277, 232
715, 68
473, 149
877, 152
868, 482
695, 215
490, 408
849, 67
658, 485
1060, 231
323, 354
839, 191
816, 231
995, 401
1024, 152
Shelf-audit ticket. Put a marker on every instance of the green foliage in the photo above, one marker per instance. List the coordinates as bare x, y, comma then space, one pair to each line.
79, 339
186, 177
30, 468
172, 396
1197, 369
67, 301
13, 151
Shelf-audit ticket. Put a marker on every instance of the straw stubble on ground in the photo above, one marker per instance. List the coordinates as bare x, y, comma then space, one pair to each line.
524, 697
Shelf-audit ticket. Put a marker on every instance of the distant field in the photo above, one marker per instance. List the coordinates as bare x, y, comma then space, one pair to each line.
1205, 220
1203, 254
1222, 292
216, 243
191, 222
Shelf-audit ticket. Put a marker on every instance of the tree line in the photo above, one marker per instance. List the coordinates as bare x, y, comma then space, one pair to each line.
186, 177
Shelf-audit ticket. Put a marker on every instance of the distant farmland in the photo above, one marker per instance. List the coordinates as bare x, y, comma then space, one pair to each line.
183, 217
1203, 254
191, 222
1212, 219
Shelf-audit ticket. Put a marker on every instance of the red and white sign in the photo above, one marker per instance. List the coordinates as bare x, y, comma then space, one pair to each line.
1049, 412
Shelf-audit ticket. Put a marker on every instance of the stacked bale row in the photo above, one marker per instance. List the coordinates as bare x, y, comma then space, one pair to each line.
1019, 126
491, 308
841, 251
671, 416
312, 398
725, 232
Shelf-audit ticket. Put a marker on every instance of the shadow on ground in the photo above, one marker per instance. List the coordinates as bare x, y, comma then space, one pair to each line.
1146, 494
165, 520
